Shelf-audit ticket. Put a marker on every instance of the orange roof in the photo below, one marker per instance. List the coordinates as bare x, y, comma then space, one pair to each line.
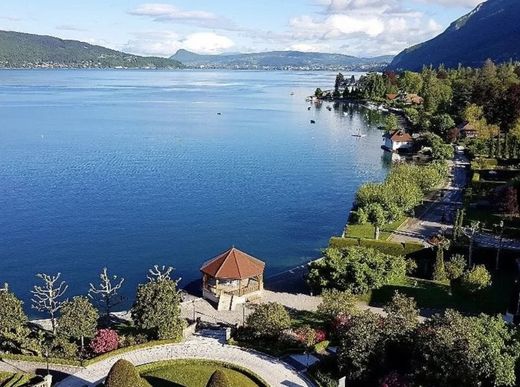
233, 264
399, 136
391, 97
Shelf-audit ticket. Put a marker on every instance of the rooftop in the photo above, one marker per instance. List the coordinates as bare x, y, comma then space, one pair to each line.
233, 264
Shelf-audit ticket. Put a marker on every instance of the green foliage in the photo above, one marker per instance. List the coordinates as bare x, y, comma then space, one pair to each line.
402, 315
218, 379
440, 150
476, 279
372, 86
78, 319
413, 115
335, 303
318, 93
442, 123
385, 247
61, 347
360, 348
12, 316
269, 320
411, 82
391, 122
455, 267
156, 309
453, 350
356, 269
123, 374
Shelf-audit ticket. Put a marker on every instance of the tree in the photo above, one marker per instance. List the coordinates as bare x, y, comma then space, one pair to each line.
269, 320
106, 293
360, 348
476, 279
78, 320
454, 350
442, 123
391, 122
335, 303
47, 298
156, 309
218, 379
12, 316
455, 267
123, 374
411, 82
318, 93
106, 340
508, 201
356, 269
439, 268
402, 315
378, 217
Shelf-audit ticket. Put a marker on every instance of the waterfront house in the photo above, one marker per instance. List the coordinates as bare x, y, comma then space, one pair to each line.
398, 141
463, 130
232, 278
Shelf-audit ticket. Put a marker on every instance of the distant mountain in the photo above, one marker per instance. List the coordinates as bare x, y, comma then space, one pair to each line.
491, 30
278, 60
28, 51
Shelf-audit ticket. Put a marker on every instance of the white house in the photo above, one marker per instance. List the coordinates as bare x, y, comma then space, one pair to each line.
398, 141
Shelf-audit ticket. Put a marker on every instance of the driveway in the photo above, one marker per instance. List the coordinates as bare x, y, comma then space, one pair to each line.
208, 345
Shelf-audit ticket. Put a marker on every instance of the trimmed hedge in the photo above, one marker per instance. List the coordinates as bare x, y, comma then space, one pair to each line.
123, 374
386, 247
147, 368
85, 363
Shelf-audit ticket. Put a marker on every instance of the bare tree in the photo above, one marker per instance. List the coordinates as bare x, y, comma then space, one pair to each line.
160, 273
105, 294
46, 298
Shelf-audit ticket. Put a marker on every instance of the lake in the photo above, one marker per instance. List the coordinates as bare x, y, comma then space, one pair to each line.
127, 169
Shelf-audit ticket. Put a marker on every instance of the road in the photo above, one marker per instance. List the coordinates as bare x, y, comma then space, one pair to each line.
438, 215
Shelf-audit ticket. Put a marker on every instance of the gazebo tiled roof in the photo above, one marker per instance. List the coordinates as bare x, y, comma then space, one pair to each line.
233, 264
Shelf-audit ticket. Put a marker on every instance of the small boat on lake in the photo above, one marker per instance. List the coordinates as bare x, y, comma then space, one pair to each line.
313, 122
359, 134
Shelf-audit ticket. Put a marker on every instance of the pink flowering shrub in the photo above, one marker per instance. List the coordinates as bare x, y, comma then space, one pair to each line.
321, 335
393, 379
106, 340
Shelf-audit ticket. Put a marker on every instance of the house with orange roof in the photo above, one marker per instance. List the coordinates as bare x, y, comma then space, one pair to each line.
232, 278
398, 141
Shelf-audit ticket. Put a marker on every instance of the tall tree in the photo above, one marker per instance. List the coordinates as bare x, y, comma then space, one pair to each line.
48, 298
106, 293
156, 309
78, 320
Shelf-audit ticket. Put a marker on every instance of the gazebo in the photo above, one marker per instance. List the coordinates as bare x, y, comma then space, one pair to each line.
232, 278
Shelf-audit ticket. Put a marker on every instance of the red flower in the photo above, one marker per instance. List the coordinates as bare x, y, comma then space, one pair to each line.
106, 340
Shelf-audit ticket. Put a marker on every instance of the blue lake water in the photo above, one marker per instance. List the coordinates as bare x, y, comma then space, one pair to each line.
127, 169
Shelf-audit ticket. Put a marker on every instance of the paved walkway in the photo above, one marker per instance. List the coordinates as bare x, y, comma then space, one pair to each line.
439, 214
208, 345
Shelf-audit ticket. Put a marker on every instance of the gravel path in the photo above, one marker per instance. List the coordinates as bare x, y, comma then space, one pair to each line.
207, 345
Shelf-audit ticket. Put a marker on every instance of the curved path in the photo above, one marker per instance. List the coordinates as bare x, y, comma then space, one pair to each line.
206, 345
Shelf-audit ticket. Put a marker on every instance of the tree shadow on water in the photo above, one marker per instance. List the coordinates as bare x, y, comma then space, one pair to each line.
158, 382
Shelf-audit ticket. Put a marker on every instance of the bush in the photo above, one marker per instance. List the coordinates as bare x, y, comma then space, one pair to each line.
269, 319
335, 303
357, 269
106, 340
386, 247
411, 267
476, 279
455, 267
218, 379
123, 374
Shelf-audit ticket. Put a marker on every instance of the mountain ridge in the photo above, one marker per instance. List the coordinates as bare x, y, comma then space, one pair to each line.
490, 31
280, 60
23, 50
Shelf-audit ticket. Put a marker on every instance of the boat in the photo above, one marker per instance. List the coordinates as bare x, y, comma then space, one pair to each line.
359, 134
329, 108
309, 108
292, 93
345, 114
313, 122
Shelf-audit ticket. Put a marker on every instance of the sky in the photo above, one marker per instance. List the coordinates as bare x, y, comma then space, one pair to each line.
353, 27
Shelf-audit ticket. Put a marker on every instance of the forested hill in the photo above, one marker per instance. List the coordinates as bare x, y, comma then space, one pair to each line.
279, 60
491, 30
27, 51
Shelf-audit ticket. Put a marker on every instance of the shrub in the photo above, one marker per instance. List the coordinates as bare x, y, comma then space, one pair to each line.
476, 279
455, 267
63, 348
269, 319
106, 340
218, 379
123, 374
335, 303
411, 266
386, 247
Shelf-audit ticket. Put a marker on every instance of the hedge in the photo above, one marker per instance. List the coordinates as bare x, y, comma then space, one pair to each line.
254, 377
386, 247
85, 363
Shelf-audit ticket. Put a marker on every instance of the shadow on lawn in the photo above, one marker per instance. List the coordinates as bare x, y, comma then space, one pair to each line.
158, 382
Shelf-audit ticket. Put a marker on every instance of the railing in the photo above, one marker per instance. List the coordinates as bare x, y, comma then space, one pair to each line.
234, 291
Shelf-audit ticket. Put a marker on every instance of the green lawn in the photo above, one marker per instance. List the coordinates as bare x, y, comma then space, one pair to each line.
366, 231
5, 376
193, 373
439, 296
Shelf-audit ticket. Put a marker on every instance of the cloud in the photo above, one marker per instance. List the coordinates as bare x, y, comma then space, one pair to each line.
167, 13
165, 43
453, 3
